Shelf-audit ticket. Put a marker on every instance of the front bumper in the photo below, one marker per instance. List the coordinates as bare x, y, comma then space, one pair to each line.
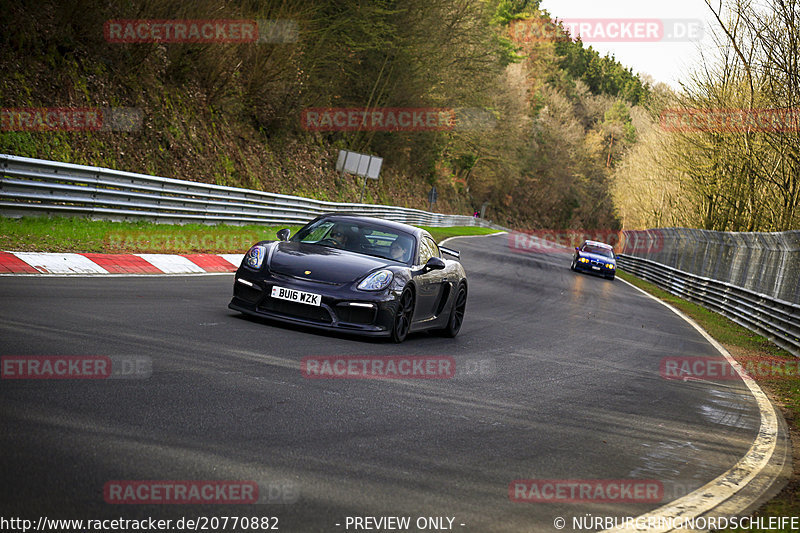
600, 269
373, 314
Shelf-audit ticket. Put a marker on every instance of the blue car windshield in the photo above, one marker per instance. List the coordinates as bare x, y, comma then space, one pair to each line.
590, 249
360, 237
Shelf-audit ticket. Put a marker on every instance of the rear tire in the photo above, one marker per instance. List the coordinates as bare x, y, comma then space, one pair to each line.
456, 313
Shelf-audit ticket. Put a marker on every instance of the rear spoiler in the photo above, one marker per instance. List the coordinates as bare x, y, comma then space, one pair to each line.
448, 251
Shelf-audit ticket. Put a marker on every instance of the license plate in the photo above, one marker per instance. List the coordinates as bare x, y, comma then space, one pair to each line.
595, 268
292, 295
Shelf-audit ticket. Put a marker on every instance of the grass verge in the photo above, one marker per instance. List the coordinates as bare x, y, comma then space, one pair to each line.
67, 234
441, 234
749, 349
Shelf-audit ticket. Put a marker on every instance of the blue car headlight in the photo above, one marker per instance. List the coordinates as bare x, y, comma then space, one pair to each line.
255, 256
377, 281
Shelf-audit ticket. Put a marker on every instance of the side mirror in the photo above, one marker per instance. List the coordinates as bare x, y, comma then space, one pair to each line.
283, 234
434, 263
577, 249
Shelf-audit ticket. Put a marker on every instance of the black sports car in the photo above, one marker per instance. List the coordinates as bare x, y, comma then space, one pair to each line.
352, 273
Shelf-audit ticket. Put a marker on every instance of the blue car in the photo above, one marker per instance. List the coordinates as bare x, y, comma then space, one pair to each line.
596, 258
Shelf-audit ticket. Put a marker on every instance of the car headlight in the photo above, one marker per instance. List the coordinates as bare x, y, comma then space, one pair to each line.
255, 256
583, 260
609, 265
377, 281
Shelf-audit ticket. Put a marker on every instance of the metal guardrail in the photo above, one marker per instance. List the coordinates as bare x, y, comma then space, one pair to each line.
765, 263
777, 320
39, 187
35, 186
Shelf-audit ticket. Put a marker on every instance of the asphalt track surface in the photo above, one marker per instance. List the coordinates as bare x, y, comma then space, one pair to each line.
558, 378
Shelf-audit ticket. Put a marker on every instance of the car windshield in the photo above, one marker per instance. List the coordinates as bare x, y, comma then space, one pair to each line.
361, 237
591, 249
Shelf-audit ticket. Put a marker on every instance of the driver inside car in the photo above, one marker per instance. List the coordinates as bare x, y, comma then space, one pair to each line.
339, 236
399, 250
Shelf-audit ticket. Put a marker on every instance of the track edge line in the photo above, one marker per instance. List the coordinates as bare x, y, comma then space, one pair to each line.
741, 475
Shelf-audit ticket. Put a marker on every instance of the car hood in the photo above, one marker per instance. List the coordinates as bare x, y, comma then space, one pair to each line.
598, 257
325, 264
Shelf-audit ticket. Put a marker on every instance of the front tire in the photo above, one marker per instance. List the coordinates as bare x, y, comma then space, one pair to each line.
403, 316
457, 313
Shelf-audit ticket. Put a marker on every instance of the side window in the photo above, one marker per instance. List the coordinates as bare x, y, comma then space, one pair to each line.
424, 251
427, 249
434, 248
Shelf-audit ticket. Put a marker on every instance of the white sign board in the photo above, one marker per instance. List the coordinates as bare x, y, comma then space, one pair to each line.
352, 162
374, 167
359, 164
340, 160
363, 165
